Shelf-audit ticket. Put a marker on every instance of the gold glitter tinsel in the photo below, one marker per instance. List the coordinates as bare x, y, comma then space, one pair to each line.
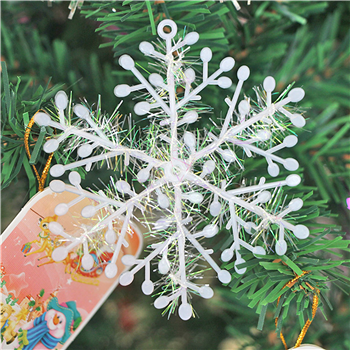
308, 322
41, 179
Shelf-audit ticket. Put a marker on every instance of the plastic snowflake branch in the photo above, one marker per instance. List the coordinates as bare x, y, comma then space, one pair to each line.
168, 160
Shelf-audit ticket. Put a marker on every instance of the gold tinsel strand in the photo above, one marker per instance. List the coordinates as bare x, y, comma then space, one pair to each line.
308, 322
41, 179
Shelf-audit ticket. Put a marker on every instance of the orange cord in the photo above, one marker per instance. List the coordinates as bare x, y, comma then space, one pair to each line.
41, 179
308, 322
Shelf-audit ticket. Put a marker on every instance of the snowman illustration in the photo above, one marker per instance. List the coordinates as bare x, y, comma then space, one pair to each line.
52, 327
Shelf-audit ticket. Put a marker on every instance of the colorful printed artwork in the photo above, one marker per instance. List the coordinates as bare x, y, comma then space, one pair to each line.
43, 303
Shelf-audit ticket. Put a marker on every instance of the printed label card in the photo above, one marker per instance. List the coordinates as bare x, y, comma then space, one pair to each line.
45, 302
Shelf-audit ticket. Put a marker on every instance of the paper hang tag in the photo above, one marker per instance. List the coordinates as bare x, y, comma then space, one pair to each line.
34, 288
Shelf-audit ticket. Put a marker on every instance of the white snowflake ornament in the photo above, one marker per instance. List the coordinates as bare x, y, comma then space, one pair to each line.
184, 172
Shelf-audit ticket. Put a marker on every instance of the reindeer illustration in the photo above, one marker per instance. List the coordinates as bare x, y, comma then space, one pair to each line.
45, 242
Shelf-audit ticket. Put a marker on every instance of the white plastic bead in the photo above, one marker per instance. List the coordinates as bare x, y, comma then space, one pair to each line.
249, 227
189, 139
55, 228
185, 311
87, 262
227, 64
191, 38
206, 292
81, 111
273, 169
59, 254
163, 201
146, 48
110, 236
206, 54
264, 135
269, 84
126, 278
227, 255
293, 180
240, 271
122, 90
126, 62
128, 260
291, 164
195, 197
259, 251
243, 107
190, 117
301, 231
61, 209
224, 82
142, 108
161, 302
224, 276
210, 231
147, 287
296, 94
42, 119
190, 75
215, 208
122, 186
143, 175
281, 247
228, 155
74, 178
51, 146
290, 141
162, 224
57, 186
85, 151
61, 100
209, 166
295, 204
264, 197
243, 73
111, 270
155, 79
57, 170
298, 120
88, 212
163, 266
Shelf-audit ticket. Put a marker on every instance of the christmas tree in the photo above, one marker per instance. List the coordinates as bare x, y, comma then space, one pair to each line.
305, 43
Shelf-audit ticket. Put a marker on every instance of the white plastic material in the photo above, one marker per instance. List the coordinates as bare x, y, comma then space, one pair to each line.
185, 311
269, 84
42, 119
111, 270
51, 146
126, 62
87, 261
191, 38
206, 54
59, 254
308, 347
243, 73
146, 48
301, 231
110, 236
189, 118
61, 100
227, 64
178, 177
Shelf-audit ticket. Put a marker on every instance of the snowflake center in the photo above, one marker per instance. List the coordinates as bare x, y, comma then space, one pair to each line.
176, 170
